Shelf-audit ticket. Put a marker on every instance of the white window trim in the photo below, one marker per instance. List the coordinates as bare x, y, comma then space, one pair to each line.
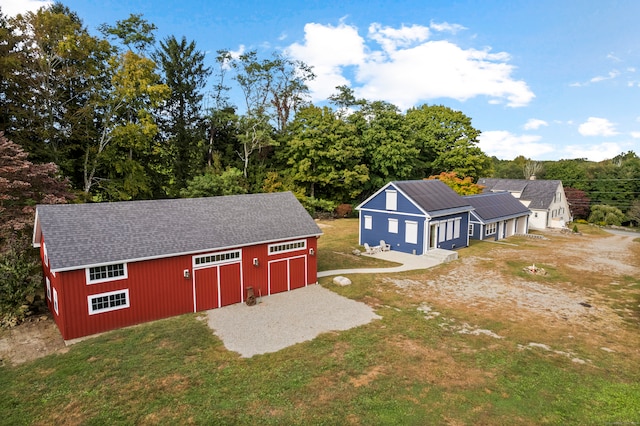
442, 231
231, 259
109, 309
408, 224
45, 254
55, 300
491, 229
393, 226
104, 280
48, 287
456, 228
368, 222
471, 226
449, 229
391, 199
279, 248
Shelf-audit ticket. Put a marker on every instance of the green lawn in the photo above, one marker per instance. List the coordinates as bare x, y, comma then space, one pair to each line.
402, 369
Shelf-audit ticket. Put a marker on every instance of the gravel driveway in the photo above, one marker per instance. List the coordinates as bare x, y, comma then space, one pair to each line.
284, 319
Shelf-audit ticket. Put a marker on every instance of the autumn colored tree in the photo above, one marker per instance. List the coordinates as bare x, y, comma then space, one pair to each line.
22, 186
464, 186
579, 202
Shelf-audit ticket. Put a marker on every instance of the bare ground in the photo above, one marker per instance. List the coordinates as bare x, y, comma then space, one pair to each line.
593, 266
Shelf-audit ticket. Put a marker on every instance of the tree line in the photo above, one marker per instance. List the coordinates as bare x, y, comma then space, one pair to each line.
127, 117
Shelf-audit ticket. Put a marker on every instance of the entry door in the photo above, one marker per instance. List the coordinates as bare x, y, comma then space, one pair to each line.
206, 286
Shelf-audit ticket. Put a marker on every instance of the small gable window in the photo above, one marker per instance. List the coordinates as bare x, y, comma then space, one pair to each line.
104, 273
391, 199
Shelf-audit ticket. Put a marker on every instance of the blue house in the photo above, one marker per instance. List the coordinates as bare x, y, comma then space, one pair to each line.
415, 217
497, 215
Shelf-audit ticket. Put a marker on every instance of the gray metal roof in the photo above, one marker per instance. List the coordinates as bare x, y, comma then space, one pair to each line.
495, 206
433, 195
538, 192
78, 235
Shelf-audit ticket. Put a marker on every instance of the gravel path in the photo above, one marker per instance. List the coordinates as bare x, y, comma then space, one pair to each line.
284, 319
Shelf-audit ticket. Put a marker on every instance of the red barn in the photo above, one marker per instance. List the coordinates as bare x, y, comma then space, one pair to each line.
110, 265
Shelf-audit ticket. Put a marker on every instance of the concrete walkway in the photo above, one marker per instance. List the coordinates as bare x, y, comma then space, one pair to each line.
409, 262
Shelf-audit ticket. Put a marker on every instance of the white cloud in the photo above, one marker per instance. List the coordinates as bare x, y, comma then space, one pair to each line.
635, 135
446, 27
599, 152
507, 146
13, 7
612, 74
402, 66
534, 124
329, 49
595, 126
391, 38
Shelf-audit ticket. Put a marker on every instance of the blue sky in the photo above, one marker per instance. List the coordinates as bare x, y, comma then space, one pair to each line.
547, 79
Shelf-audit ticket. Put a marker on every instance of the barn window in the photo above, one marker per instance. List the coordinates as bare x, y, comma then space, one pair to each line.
392, 200
104, 273
111, 301
214, 258
368, 222
456, 228
288, 246
471, 229
393, 226
44, 253
48, 287
55, 300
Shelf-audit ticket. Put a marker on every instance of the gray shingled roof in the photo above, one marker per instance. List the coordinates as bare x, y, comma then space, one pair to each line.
433, 195
495, 206
538, 192
78, 235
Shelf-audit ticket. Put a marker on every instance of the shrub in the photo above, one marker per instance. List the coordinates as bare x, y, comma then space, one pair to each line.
344, 210
20, 281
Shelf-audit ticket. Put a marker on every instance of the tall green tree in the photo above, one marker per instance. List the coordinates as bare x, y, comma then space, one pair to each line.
182, 123
118, 165
118, 161
54, 70
446, 141
389, 154
324, 156
272, 89
135, 33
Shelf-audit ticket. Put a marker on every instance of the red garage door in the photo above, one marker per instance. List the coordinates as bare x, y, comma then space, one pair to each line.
287, 274
230, 284
206, 285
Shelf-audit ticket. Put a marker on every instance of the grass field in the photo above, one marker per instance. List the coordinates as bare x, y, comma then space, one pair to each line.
406, 368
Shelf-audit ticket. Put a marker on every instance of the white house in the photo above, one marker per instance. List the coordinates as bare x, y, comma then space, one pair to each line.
545, 198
